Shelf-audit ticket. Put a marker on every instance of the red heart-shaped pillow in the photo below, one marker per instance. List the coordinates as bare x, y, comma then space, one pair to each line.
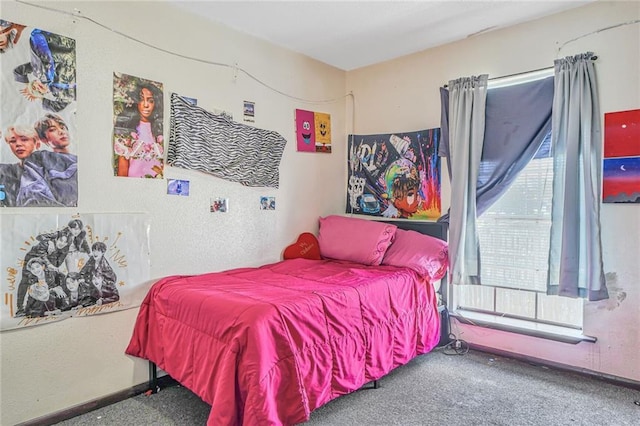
306, 246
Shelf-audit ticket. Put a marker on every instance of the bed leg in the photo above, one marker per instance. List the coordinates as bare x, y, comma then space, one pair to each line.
153, 378
372, 385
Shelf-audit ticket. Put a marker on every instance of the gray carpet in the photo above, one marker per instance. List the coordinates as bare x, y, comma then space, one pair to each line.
434, 389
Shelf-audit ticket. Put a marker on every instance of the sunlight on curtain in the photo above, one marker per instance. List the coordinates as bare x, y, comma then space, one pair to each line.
467, 103
575, 255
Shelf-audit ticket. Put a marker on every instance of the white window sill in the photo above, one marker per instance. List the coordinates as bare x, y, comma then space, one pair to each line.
529, 328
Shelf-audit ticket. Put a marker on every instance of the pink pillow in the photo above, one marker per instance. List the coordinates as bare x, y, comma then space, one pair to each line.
356, 240
427, 255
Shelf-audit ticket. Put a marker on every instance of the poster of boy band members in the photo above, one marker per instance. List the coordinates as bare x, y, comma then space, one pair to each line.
395, 175
58, 266
38, 162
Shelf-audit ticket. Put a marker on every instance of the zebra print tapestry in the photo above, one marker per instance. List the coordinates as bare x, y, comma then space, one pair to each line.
206, 142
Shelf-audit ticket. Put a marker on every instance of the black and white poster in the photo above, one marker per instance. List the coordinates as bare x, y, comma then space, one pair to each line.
58, 266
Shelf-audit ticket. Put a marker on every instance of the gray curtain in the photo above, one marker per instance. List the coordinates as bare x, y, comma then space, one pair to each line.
517, 122
518, 119
575, 255
467, 98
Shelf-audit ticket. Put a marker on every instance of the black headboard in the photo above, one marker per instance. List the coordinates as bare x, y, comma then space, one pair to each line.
438, 230
435, 229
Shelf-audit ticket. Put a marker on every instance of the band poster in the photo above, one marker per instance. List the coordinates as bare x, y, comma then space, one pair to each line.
38, 160
58, 266
395, 175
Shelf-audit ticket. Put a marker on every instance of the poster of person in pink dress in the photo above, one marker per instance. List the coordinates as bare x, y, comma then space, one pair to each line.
138, 142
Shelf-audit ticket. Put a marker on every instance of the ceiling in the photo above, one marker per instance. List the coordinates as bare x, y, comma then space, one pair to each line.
353, 34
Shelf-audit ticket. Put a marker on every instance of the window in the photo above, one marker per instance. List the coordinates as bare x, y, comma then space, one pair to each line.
514, 244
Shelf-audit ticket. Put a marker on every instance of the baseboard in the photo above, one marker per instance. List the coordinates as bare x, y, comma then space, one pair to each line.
609, 378
95, 404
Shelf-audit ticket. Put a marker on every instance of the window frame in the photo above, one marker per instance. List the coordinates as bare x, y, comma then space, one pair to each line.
513, 322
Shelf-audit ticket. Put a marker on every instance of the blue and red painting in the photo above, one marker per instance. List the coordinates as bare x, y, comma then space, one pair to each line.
621, 165
621, 180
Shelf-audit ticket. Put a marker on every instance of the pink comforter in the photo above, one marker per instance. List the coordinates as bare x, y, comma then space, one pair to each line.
268, 345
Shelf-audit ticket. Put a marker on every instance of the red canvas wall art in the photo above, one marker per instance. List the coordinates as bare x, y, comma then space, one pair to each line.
621, 166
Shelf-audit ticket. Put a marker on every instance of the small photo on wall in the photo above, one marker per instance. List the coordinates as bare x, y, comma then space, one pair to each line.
178, 187
192, 101
249, 111
219, 205
267, 203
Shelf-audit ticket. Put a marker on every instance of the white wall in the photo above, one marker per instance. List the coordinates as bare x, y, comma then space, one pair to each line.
48, 368
402, 95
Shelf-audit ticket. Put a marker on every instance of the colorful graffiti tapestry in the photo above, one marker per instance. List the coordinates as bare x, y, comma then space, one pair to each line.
60, 266
38, 161
395, 175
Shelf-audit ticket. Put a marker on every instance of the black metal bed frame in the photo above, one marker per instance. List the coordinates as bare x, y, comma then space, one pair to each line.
435, 229
154, 383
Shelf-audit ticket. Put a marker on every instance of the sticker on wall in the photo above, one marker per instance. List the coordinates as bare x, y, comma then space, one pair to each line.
621, 164
178, 187
192, 101
138, 141
38, 153
219, 205
313, 131
394, 175
267, 203
61, 266
228, 115
249, 111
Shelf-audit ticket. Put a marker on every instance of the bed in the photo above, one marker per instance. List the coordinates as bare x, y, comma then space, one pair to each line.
270, 344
